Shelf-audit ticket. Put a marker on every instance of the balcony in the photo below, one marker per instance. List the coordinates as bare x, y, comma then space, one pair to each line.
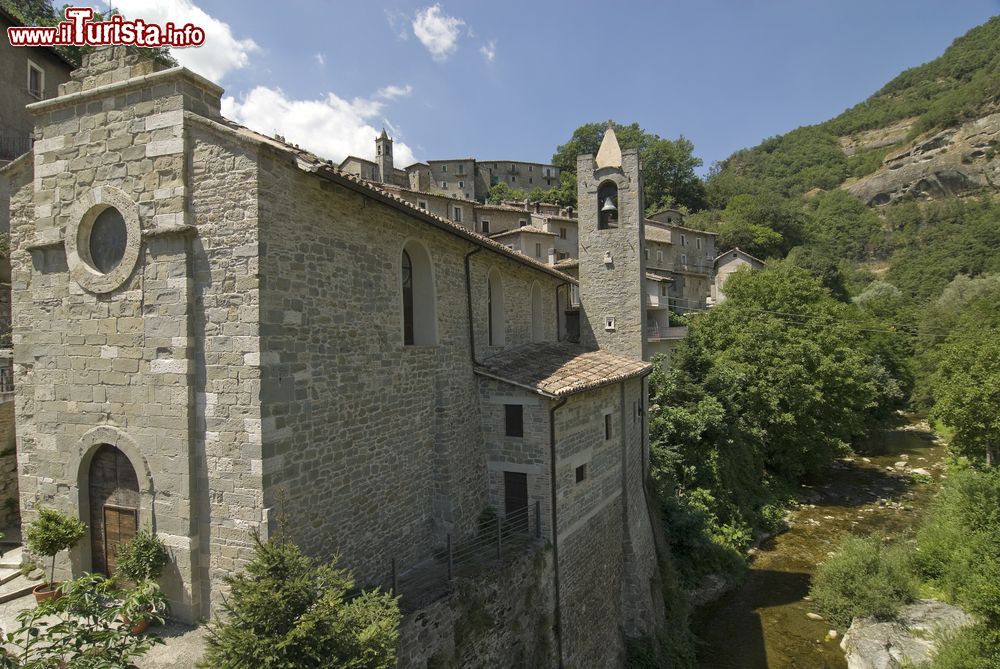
666, 333
693, 267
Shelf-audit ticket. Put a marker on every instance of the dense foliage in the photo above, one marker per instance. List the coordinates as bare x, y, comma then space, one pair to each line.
87, 627
289, 611
768, 387
143, 558
864, 578
669, 177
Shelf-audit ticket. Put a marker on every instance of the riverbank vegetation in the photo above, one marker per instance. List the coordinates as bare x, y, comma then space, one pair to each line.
954, 556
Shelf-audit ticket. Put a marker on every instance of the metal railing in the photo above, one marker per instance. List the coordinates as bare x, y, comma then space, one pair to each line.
496, 540
14, 144
660, 333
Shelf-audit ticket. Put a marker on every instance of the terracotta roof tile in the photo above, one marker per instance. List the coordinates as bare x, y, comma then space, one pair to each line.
525, 228
558, 369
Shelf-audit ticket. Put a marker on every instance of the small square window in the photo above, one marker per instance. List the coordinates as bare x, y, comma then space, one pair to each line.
422, 204
522, 223
609, 323
444, 184
607, 426
461, 184
513, 420
581, 473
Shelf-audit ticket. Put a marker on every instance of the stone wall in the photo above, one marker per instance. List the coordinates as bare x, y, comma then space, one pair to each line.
347, 409
500, 618
123, 358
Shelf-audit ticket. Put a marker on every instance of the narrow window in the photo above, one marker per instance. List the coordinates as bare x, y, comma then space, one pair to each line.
444, 168
419, 302
663, 290
683, 241
407, 299
647, 254
581, 473
530, 179
486, 227
444, 184
458, 215
36, 81
607, 426
461, 168
562, 233
538, 250
684, 259
530, 168
512, 178
659, 256
494, 308
698, 242
513, 420
461, 184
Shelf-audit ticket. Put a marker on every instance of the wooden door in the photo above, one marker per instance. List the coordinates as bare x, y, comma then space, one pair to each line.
114, 506
120, 526
515, 490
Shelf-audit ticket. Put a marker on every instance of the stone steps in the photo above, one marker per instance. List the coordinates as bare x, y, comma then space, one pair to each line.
15, 588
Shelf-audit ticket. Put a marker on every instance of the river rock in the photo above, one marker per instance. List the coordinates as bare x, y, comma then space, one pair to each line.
904, 642
709, 589
920, 471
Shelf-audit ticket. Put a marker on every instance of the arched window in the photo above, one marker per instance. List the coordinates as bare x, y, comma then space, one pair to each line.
494, 308
407, 299
537, 320
607, 206
419, 308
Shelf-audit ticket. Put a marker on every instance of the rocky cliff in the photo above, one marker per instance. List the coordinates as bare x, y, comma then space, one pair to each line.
947, 163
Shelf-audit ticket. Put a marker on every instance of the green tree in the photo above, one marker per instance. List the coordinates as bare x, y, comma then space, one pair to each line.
53, 532
501, 191
762, 225
668, 166
767, 387
288, 611
966, 390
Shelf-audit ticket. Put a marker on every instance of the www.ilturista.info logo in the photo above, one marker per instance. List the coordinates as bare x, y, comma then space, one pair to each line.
78, 30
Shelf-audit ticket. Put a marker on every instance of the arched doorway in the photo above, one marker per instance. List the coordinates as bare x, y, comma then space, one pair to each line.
114, 506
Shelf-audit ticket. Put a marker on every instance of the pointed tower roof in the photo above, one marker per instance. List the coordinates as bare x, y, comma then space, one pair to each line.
383, 135
610, 154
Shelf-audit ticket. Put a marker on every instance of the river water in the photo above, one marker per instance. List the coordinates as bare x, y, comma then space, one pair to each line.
763, 623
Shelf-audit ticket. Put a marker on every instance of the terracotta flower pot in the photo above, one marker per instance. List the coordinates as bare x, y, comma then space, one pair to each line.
45, 591
138, 627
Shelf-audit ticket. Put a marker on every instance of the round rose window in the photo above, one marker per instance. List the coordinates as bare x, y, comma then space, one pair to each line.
108, 237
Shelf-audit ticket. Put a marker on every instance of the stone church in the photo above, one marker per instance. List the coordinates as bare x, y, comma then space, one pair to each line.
213, 328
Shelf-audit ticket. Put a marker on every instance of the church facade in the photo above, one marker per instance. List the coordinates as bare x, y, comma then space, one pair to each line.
214, 330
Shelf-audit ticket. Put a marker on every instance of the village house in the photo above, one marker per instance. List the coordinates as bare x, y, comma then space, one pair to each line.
213, 329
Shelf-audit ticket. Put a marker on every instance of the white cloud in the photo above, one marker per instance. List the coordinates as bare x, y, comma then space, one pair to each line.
330, 127
320, 59
489, 50
393, 92
399, 23
437, 31
221, 53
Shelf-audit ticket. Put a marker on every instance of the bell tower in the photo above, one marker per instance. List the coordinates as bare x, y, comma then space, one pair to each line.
612, 259
383, 156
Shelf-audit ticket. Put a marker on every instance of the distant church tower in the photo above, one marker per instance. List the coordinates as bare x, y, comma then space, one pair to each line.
612, 261
383, 156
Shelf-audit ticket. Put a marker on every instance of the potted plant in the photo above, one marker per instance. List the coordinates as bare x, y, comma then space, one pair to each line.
49, 534
141, 562
142, 559
142, 605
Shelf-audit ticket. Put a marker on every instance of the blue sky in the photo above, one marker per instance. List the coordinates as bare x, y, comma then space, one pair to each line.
498, 80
